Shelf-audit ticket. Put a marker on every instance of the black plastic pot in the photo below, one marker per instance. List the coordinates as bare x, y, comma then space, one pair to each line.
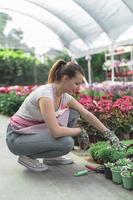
107, 172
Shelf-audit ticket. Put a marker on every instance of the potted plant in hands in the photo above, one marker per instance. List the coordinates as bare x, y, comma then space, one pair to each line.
83, 140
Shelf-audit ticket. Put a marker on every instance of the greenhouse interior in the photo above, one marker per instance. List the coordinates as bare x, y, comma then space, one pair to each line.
95, 39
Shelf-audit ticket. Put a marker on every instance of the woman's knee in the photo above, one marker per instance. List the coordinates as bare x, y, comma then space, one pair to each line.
68, 144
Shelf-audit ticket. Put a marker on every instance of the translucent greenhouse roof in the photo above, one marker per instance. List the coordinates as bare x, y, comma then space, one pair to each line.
82, 26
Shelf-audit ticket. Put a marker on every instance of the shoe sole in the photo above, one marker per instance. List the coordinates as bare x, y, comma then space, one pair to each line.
32, 168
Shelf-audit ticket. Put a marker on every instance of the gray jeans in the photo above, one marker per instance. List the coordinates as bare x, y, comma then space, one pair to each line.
41, 145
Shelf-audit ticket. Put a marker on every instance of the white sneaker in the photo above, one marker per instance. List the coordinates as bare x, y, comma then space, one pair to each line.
61, 160
32, 164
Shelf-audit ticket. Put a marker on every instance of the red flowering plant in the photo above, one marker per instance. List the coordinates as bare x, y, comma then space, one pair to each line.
116, 115
93, 105
122, 115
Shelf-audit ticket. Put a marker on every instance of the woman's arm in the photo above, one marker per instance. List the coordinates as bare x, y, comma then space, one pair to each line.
95, 122
48, 112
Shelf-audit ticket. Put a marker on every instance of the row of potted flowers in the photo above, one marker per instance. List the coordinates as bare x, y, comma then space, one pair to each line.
115, 89
121, 172
112, 89
117, 115
18, 89
118, 165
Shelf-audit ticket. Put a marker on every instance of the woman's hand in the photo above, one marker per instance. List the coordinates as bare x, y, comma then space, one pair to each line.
114, 140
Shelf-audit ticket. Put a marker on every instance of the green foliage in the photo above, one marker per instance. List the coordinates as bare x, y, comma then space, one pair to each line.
109, 164
14, 39
23, 68
9, 103
83, 63
103, 152
95, 148
127, 173
117, 168
97, 62
18, 67
122, 162
115, 155
129, 152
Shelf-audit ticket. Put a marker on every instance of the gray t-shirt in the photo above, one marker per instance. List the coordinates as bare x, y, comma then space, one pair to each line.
30, 108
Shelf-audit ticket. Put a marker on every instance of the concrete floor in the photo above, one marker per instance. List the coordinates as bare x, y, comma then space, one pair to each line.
58, 183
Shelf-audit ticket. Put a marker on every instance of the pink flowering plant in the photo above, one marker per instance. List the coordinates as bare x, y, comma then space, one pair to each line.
18, 89
116, 89
117, 115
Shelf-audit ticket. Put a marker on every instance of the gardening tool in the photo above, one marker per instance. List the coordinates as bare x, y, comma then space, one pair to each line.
99, 169
81, 173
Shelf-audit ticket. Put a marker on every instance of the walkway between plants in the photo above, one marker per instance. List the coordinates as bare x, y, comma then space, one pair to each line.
58, 183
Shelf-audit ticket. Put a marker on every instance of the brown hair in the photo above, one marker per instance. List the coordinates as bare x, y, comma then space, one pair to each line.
61, 68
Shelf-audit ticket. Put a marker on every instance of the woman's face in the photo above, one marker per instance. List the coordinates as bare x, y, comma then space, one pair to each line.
72, 85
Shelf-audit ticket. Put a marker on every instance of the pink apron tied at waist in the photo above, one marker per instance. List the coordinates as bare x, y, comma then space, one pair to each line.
24, 126
16, 120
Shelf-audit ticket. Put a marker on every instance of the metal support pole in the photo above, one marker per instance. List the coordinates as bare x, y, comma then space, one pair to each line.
88, 58
112, 64
132, 57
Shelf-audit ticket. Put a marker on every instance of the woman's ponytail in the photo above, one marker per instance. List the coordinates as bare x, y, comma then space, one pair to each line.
56, 66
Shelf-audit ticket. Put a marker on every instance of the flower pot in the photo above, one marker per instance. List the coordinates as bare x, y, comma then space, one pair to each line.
127, 181
116, 176
107, 172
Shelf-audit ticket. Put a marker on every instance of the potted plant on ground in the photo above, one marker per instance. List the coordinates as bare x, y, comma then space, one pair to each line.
129, 151
123, 162
118, 167
127, 177
116, 174
107, 170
